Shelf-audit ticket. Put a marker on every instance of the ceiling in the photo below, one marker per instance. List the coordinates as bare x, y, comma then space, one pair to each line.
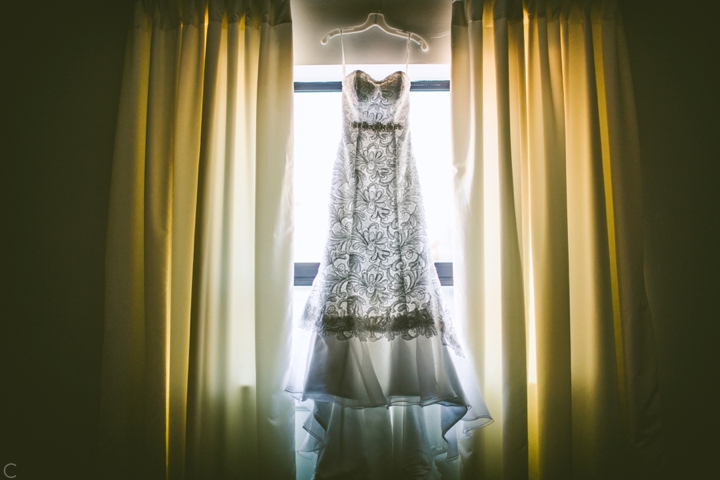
312, 19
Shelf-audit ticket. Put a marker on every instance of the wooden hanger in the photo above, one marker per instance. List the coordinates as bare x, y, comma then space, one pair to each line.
377, 20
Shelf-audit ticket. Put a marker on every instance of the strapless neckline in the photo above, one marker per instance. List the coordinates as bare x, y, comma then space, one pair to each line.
372, 80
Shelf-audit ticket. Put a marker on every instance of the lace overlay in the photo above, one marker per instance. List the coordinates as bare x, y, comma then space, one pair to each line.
376, 279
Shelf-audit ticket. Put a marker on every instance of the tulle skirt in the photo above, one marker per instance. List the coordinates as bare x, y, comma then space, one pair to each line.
384, 409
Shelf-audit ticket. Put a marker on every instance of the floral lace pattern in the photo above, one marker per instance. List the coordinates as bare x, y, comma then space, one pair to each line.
376, 279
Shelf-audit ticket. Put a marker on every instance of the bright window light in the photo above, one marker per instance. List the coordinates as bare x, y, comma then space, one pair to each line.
317, 137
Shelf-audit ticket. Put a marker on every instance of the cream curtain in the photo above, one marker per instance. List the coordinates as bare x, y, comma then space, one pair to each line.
198, 284
543, 103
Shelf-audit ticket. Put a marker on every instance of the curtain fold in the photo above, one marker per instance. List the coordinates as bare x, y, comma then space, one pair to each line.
198, 262
542, 100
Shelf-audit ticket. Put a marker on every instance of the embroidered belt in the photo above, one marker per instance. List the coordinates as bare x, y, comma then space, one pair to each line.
377, 126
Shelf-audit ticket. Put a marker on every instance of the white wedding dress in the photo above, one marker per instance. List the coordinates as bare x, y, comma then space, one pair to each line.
391, 391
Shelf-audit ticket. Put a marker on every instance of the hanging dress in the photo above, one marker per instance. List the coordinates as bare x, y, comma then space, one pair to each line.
390, 388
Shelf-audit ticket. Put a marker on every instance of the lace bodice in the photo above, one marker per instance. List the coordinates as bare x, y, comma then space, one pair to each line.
370, 101
376, 278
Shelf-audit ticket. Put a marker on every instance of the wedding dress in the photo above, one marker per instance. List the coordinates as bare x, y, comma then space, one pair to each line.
390, 388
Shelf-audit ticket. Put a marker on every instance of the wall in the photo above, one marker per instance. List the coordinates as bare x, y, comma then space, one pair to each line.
63, 64
312, 19
673, 54
61, 69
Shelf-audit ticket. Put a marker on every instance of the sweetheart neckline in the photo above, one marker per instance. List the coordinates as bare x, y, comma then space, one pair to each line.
372, 80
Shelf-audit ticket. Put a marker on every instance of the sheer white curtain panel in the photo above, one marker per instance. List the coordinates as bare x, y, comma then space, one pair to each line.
542, 95
198, 262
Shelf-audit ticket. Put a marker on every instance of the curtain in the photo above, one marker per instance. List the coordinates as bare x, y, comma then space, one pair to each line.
546, 144
198, 282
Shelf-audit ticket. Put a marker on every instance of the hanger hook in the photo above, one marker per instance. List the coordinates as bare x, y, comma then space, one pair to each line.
379, 7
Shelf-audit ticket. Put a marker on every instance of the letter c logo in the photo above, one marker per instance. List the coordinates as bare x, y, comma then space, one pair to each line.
5, 470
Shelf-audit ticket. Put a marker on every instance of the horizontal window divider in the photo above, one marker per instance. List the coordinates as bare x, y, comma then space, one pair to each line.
305, 273
419, 86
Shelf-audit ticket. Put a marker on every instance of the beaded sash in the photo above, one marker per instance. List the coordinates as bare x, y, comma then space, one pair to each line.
377, 126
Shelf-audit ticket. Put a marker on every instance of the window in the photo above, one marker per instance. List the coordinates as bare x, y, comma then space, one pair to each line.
317, 134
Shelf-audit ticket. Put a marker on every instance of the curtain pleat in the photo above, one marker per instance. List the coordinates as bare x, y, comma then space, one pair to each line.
622, 174
541, 91
514, 359
470, 209
184, 200
273, 211
198, 310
